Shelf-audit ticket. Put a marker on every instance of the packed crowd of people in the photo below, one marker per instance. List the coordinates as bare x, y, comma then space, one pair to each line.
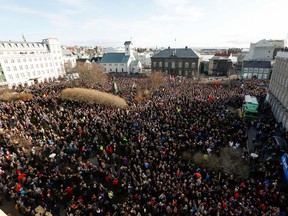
94, 160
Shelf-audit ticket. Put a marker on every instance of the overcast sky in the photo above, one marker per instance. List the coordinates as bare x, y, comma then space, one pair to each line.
150, 23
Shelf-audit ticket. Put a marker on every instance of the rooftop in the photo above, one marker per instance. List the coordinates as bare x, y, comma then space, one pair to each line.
257, 64
114, 58
178, 53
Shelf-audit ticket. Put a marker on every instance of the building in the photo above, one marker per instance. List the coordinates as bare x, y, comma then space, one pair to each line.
278, 89
121, 61
265, 50
176, 62
144, 58
26, 63
69, 59
257, 69
220, 64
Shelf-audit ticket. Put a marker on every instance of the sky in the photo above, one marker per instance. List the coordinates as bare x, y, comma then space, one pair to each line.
149, 23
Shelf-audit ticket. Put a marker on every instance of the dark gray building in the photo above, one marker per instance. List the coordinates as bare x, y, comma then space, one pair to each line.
176, 62
258, 69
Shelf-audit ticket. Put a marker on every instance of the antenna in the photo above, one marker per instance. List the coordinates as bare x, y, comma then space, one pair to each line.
175, 47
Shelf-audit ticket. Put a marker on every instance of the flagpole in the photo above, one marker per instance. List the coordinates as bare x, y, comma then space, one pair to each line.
175, 46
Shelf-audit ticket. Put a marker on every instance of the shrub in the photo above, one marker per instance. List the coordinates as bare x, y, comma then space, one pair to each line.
93, 96
8, 96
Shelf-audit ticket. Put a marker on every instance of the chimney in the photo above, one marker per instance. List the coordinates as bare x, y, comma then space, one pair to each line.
169, 47
186, 47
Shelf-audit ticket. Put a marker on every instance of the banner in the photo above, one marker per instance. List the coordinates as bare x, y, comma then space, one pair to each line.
284, 160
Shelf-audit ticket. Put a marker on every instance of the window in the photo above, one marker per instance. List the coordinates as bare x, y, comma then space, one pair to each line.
160, 64
186, 72
33, 73
20, 67
186, 66
250, 70
32, 66
22, 75
266, 70
246, 70
8, 68
15, 68
37, 66
154, 64
180, 65
46, 64
18, 60
24, 60
180, 72
30, 59
35, 59
41, 65
256, 70
17, 75
12, 60
166, 64
10, 77
104, 64
193, 65
173, 64
5, 61
28, 74
50, 64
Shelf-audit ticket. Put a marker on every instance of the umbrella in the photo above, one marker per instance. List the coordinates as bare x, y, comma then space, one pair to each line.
52, 155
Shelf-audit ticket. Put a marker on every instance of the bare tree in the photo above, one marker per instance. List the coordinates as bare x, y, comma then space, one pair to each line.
90, 75
68, 67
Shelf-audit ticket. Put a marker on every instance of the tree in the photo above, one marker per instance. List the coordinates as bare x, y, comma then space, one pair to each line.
68, 67
90, 75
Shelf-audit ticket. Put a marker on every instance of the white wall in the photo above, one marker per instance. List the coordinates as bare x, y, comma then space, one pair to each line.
23, 62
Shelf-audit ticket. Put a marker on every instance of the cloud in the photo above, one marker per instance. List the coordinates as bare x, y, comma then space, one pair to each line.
56, 19
177, 11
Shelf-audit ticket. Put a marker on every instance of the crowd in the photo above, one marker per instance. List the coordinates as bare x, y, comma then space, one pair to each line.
94, 160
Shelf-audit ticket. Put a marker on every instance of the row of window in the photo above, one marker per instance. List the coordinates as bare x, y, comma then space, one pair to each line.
19, 60
173, 64
258, 75
281, 63
113, 64
32, 66
28, 74
260, 70
181, 73
279, 79
26, 52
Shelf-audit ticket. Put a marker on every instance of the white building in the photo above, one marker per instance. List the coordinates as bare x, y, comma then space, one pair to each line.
265, 50
26, 63
278, 89
121, 61
69, 58
144, 58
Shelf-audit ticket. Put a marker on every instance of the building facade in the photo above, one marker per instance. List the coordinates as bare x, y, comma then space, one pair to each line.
220, 64
278, 89
256, 69
176, 62
265, 50
26, 63
121, 61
